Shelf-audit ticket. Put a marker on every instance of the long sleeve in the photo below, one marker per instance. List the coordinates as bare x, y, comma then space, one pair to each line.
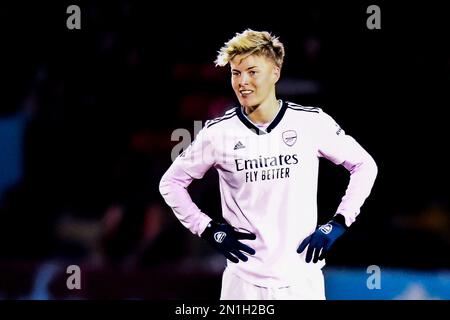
342, 149
191, 164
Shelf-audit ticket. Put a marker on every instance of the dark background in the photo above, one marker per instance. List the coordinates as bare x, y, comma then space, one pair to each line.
98, 107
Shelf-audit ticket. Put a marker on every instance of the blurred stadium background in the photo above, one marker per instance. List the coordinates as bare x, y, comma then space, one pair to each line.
86, 119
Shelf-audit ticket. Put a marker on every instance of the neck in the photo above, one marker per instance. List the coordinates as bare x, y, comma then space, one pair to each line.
264, 112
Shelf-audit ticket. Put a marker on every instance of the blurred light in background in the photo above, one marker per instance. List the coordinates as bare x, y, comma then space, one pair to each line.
396, 284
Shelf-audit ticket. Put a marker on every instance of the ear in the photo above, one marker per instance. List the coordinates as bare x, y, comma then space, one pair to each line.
276, 73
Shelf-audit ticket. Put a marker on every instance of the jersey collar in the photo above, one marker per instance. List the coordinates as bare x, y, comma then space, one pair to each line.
255, 129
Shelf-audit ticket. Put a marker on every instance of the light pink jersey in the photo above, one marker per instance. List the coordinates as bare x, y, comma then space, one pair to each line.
268, 184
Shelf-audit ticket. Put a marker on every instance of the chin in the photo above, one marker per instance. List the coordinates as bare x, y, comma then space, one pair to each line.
247, 104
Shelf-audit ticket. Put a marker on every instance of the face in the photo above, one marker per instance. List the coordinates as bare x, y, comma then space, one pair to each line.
253, 79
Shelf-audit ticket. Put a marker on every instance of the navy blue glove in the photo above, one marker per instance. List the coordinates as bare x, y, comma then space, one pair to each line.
322, 239
225, 238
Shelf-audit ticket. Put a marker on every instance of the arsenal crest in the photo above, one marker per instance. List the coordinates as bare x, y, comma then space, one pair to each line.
290, 137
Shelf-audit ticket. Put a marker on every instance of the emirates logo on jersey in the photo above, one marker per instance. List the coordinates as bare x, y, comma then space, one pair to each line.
219, 236
290, 137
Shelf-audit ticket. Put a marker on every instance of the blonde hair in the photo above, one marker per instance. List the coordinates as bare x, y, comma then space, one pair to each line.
252, 42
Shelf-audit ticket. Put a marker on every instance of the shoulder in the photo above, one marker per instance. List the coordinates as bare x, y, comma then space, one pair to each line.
229, 114
313, 115
313, 112
302, 109
307, 113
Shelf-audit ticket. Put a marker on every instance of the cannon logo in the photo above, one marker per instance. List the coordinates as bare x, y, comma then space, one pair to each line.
290, 137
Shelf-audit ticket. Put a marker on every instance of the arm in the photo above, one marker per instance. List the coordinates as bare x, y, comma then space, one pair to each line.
173, 188
191, 164
341, 149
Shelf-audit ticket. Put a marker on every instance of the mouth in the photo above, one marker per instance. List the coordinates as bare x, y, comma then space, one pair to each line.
245, 93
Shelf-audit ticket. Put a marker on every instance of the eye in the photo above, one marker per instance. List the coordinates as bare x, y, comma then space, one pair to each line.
252, 72
234, 73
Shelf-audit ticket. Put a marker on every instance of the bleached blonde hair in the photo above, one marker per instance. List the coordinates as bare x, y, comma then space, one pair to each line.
252, 42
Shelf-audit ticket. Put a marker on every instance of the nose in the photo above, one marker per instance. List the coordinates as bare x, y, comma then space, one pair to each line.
243, 79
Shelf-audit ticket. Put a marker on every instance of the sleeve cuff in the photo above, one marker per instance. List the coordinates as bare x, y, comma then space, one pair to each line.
340, 218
